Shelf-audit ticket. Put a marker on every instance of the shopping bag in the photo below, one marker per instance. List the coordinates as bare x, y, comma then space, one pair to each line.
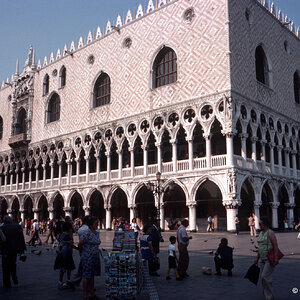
253, 274
298, 236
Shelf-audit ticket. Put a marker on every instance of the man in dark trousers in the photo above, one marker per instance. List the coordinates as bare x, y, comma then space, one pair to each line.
156, 236
226, 260
14, 244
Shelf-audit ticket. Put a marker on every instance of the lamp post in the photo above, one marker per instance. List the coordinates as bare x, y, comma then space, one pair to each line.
157, 189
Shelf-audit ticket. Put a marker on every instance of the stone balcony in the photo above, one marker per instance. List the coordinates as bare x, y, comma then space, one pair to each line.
18, 140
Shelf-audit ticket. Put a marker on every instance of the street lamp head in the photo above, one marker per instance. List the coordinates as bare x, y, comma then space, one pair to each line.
158, 176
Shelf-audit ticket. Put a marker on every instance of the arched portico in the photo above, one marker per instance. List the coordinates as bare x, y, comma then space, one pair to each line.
175, 207
209, 203
28, 208
297, 206
247, 204
58, 206
76, 205
145, 206
265, 209
43, 208
283, 199
15, 209
96, 204
119, 204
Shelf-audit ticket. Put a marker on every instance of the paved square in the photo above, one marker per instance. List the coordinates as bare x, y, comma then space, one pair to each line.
38, 280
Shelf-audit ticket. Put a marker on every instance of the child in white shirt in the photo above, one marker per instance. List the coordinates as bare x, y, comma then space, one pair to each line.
172, 258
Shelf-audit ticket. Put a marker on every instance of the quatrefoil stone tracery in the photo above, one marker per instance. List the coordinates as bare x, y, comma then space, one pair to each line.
206, 112
158, 123
145, 126
189, 115
173, 119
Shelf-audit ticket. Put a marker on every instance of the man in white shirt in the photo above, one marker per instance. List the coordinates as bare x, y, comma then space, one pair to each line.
183, 242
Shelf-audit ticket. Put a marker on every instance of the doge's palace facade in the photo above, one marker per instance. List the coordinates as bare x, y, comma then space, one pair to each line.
207, 93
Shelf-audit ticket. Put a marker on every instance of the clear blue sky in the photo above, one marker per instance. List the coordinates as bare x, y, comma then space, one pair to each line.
50, 24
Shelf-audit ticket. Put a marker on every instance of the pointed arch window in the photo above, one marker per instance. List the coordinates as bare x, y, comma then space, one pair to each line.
102, 90
53, 112
1, 128
261, 65
21, 122
165, 67
297, 87
46, 85
62, 76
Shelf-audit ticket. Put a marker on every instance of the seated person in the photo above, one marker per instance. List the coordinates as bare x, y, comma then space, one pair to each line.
226, 260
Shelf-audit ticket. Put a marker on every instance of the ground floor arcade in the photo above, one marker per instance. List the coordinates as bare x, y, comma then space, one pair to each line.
222, 196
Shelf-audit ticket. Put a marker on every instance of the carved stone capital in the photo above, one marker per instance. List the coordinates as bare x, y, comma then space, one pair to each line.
67, 209
275, 204
290, 205
107, 206
192, 204
232, 203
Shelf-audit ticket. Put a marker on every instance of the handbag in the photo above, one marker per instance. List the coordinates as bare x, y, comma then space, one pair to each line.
253, 274
271, 253
298, 236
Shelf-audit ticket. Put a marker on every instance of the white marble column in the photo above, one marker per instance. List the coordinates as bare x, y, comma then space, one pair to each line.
37, 176
257, 214
23, 178
44, 175
11, 180
52, 172
108, 218
51, 213
87, 210
158, 157
68, 211
9, 212
5, 180
287, 162
98, 168
77, 169
254, 140
275, 214
30, 178
36, 214
120, 161
263, 150
294, 152
108, 155
145, 154
22, 216
208, 150
290, 212
272, 145
132, 161
59, 172
174, 155
192, 217
69, 171
229, 147
279, 149
191, 154
87, 168
244, 137
132, 212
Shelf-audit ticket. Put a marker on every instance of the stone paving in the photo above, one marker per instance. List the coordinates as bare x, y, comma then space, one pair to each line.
38, 280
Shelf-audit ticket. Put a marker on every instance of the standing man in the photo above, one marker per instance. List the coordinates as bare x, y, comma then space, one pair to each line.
209, 224
50, 227
251, 223
237, 224
183, 242
14, 244
155, 234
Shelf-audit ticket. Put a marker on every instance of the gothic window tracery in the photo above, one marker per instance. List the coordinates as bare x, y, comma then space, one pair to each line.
62, 77
21, 122
165, 68
102, 90
53, 112
262, 67
46, 85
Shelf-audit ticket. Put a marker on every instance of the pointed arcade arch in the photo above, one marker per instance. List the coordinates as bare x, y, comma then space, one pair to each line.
96, 204
247, 206
119, 204
209, 203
